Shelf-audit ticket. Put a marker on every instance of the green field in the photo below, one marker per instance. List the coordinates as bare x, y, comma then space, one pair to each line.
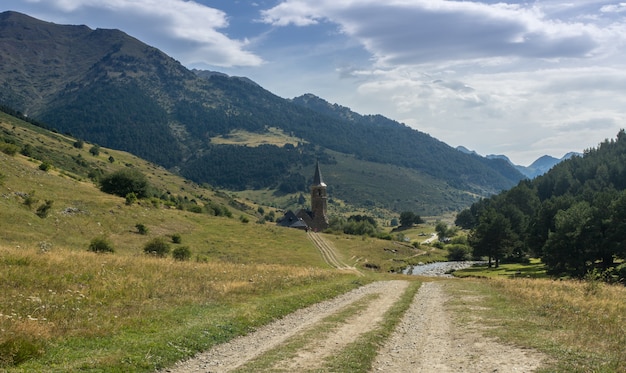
64, 308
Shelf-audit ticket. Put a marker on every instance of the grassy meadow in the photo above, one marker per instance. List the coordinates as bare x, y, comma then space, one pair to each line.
579, 325
63, 308
68, 310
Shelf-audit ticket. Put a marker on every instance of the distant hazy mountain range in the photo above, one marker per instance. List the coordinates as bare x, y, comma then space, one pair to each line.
109, 88
539, 167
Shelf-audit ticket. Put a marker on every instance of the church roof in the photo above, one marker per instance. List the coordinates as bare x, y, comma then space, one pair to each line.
317, 178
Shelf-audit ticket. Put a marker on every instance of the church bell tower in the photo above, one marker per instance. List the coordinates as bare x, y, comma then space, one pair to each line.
319, 200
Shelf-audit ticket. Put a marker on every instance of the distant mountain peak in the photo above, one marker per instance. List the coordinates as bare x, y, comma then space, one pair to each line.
539, 167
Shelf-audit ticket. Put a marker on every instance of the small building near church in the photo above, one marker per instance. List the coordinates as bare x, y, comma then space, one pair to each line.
316, 218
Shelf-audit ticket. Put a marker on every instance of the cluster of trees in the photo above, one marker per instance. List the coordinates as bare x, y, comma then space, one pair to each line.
573, 217
408, 218
358, 225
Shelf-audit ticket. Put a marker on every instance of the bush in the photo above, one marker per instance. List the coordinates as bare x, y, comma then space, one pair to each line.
95, 150
45, 166
458, 252
141, 229
27, 150
131, 198
30, 199
181, 253
17, 349
8, 149
125, 181
157, 247
176, 238
44, 210
101, 245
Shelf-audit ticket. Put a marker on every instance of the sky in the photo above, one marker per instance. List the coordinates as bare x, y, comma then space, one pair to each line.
519, 78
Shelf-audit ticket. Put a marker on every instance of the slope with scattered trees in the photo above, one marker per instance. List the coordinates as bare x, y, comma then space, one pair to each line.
573, 217
108, 88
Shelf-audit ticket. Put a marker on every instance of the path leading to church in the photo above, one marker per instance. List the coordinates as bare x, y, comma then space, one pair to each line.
328, 252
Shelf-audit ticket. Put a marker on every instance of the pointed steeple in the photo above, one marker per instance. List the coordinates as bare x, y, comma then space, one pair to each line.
317, 178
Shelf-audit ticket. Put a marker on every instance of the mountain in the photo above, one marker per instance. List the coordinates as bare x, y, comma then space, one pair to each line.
109, 88
539, 167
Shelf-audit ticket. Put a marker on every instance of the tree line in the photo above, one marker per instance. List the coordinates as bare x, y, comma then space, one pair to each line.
573, 217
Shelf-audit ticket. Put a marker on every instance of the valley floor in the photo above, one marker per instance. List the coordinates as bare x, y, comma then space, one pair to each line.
427, 339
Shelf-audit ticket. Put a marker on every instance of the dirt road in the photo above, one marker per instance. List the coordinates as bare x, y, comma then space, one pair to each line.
427, 339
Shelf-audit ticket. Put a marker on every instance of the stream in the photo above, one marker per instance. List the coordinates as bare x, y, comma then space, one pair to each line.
438, 269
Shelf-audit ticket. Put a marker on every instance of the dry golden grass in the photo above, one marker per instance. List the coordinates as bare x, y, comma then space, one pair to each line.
582, 324
53, 296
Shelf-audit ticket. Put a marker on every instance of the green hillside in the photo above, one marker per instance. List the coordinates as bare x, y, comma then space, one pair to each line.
65, 308
573, 217
105, 87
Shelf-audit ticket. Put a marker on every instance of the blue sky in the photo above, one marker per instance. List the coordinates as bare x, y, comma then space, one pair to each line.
521, 78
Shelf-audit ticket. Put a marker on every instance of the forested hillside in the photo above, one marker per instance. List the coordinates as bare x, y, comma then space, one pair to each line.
573, 217
108, 88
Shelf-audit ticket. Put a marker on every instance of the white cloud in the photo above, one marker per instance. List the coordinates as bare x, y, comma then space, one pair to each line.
523, 78
186, 29
614, 8
415, 32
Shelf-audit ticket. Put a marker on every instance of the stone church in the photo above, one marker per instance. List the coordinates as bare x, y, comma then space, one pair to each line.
316, 218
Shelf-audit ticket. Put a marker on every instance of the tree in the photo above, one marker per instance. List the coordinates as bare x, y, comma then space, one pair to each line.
444, 232
95, 150
408, 218
465, 219
125, 181
492, 237
568, 248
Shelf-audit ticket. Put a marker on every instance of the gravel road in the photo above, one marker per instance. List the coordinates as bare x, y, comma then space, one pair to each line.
427, 339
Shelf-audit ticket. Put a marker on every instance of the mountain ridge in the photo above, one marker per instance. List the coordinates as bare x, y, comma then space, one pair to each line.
110, 88
539, 167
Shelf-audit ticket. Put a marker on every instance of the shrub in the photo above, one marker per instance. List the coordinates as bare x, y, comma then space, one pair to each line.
95, 150
27, 150
176, 238
30, 199
141, 229
17, 349
125, 181
78, 144
131, 198
45, 166
195, 209
157, 247
244, 219
44, 210
181, 253
8, 149
101, 245
458, 252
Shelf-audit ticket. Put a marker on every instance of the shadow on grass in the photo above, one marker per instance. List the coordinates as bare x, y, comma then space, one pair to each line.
535, 269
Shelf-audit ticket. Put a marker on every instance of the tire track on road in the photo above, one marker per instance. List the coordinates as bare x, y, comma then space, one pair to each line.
328, 253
